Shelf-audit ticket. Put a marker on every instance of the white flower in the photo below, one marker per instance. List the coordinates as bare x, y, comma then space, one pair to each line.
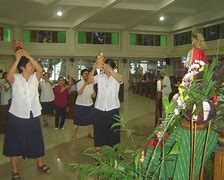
176, 112
179, 102
184, 105
202, 63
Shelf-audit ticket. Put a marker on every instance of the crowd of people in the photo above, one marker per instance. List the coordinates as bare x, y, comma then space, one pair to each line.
23, 135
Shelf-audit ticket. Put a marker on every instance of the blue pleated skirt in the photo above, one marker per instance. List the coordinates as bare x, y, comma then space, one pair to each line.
83, 115
23, 137
47, 107
103, 133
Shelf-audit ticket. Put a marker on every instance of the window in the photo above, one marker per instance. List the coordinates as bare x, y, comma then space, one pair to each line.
5, 34
98, 38
221, 31
55, 67
212, 32
43, 36
182, 38
148, 40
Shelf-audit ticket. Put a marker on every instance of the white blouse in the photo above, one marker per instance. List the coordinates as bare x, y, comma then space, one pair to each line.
85, 98
5, 94
107, 95
47, 93
25, 97
166, 90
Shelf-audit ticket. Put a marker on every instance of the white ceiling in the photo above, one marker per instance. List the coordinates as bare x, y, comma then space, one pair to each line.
132, 15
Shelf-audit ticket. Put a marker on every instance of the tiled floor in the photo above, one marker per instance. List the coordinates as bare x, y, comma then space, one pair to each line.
61, 151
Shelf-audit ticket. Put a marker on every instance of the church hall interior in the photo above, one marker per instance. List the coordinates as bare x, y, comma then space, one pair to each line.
144, 38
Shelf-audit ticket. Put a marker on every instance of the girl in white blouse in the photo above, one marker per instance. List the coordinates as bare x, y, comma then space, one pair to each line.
107, 103
46, 97
84, 105
23, 135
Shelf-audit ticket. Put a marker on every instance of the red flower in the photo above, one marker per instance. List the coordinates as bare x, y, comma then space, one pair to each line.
154, 142
214, 99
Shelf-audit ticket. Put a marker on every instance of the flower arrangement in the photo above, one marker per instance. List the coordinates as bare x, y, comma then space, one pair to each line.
200, 96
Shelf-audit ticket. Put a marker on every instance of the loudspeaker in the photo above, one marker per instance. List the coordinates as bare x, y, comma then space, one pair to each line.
167, 61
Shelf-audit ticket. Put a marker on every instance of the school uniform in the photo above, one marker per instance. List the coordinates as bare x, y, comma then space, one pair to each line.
84, 105
46, 97
23, 136
106, 106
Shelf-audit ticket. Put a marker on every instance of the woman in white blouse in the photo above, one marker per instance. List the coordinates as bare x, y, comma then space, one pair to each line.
46, 97
5, 87
23, 136
84, 105
107, 103
166, 85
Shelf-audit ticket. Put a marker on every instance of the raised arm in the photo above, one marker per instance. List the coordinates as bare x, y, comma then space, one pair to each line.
36, 65
117, 76
80, 91
91, 74
12, 69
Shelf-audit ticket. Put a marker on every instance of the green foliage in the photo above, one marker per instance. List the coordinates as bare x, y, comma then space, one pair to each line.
175, 149
169, 107
116, 162
112, 163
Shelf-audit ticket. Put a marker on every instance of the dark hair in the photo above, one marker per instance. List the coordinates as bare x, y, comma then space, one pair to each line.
84, 70
111, 63
46, 73
3, 74
61, 78
22, 63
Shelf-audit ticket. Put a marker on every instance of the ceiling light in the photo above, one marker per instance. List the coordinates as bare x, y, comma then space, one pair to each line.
162, 18
59, 13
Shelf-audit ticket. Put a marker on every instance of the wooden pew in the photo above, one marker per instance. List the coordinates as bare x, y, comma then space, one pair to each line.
3, 117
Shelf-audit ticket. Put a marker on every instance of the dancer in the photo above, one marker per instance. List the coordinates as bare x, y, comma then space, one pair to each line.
107, 103
61, 93
46, 98
23, 136
84, 105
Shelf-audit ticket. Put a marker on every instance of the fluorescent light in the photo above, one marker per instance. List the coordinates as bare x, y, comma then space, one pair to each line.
59, 13
162, 18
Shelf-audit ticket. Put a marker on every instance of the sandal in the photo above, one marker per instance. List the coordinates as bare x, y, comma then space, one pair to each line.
90, 135
97, 151
16, 176
44, 169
